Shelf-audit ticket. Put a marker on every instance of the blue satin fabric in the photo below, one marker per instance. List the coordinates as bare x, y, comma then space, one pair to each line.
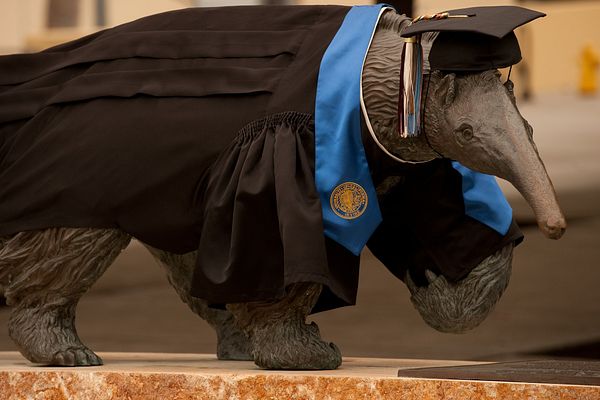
484, 201
340, 156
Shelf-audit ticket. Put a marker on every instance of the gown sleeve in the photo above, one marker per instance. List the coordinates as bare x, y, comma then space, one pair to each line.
425, 227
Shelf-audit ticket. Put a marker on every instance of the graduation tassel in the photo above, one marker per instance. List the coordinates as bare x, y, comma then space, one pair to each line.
411, 79
411, 82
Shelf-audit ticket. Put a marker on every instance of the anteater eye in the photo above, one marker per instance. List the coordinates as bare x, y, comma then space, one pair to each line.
464, 132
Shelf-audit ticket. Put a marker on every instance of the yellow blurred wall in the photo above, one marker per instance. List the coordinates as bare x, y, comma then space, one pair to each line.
121, 11
551, 46
558, 41
339, 2
18, 19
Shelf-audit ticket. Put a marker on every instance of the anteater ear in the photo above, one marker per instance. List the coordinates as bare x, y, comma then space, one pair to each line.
446, 90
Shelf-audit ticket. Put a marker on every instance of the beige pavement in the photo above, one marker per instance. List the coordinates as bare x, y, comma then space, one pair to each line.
201, 377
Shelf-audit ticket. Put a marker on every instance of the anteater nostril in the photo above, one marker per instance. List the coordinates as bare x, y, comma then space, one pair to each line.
555, 227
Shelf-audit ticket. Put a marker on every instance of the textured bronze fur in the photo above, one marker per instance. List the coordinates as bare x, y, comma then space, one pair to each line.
232, 343
43, 275
459, 307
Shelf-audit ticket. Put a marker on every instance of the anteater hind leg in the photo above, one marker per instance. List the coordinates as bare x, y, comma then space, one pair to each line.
281, 338
232, 342
51, 270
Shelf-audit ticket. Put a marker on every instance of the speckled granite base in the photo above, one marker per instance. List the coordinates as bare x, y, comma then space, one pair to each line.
135, 376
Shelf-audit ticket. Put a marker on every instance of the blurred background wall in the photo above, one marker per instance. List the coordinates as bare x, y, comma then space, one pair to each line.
552, 47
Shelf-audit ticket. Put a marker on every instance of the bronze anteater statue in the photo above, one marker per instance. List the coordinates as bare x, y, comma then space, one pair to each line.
194, 132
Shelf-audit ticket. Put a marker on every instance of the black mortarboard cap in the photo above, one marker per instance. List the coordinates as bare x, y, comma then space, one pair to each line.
468, 39
496, 21
475, 38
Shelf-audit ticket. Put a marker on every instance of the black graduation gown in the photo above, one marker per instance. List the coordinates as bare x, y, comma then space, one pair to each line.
190, 130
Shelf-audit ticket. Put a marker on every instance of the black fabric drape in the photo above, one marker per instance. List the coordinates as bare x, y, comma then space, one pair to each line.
194, 130
117, 129
190, 130
425, 227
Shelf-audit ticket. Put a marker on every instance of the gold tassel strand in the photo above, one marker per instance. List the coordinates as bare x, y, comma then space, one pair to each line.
411, 79
411, 76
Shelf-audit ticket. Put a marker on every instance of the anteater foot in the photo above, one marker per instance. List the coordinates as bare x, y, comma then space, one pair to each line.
47, 336
234, 347
294, 346
75, 357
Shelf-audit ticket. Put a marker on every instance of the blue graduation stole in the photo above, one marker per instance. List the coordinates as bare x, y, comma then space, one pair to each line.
342, 176
348, 198
484, 201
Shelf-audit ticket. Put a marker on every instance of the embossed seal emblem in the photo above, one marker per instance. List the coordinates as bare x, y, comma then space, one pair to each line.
349, 200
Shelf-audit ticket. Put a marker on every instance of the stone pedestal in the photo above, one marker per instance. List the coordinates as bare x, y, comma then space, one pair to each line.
135, 376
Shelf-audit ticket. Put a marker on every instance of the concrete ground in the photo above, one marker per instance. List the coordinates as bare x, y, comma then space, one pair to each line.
551, 309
